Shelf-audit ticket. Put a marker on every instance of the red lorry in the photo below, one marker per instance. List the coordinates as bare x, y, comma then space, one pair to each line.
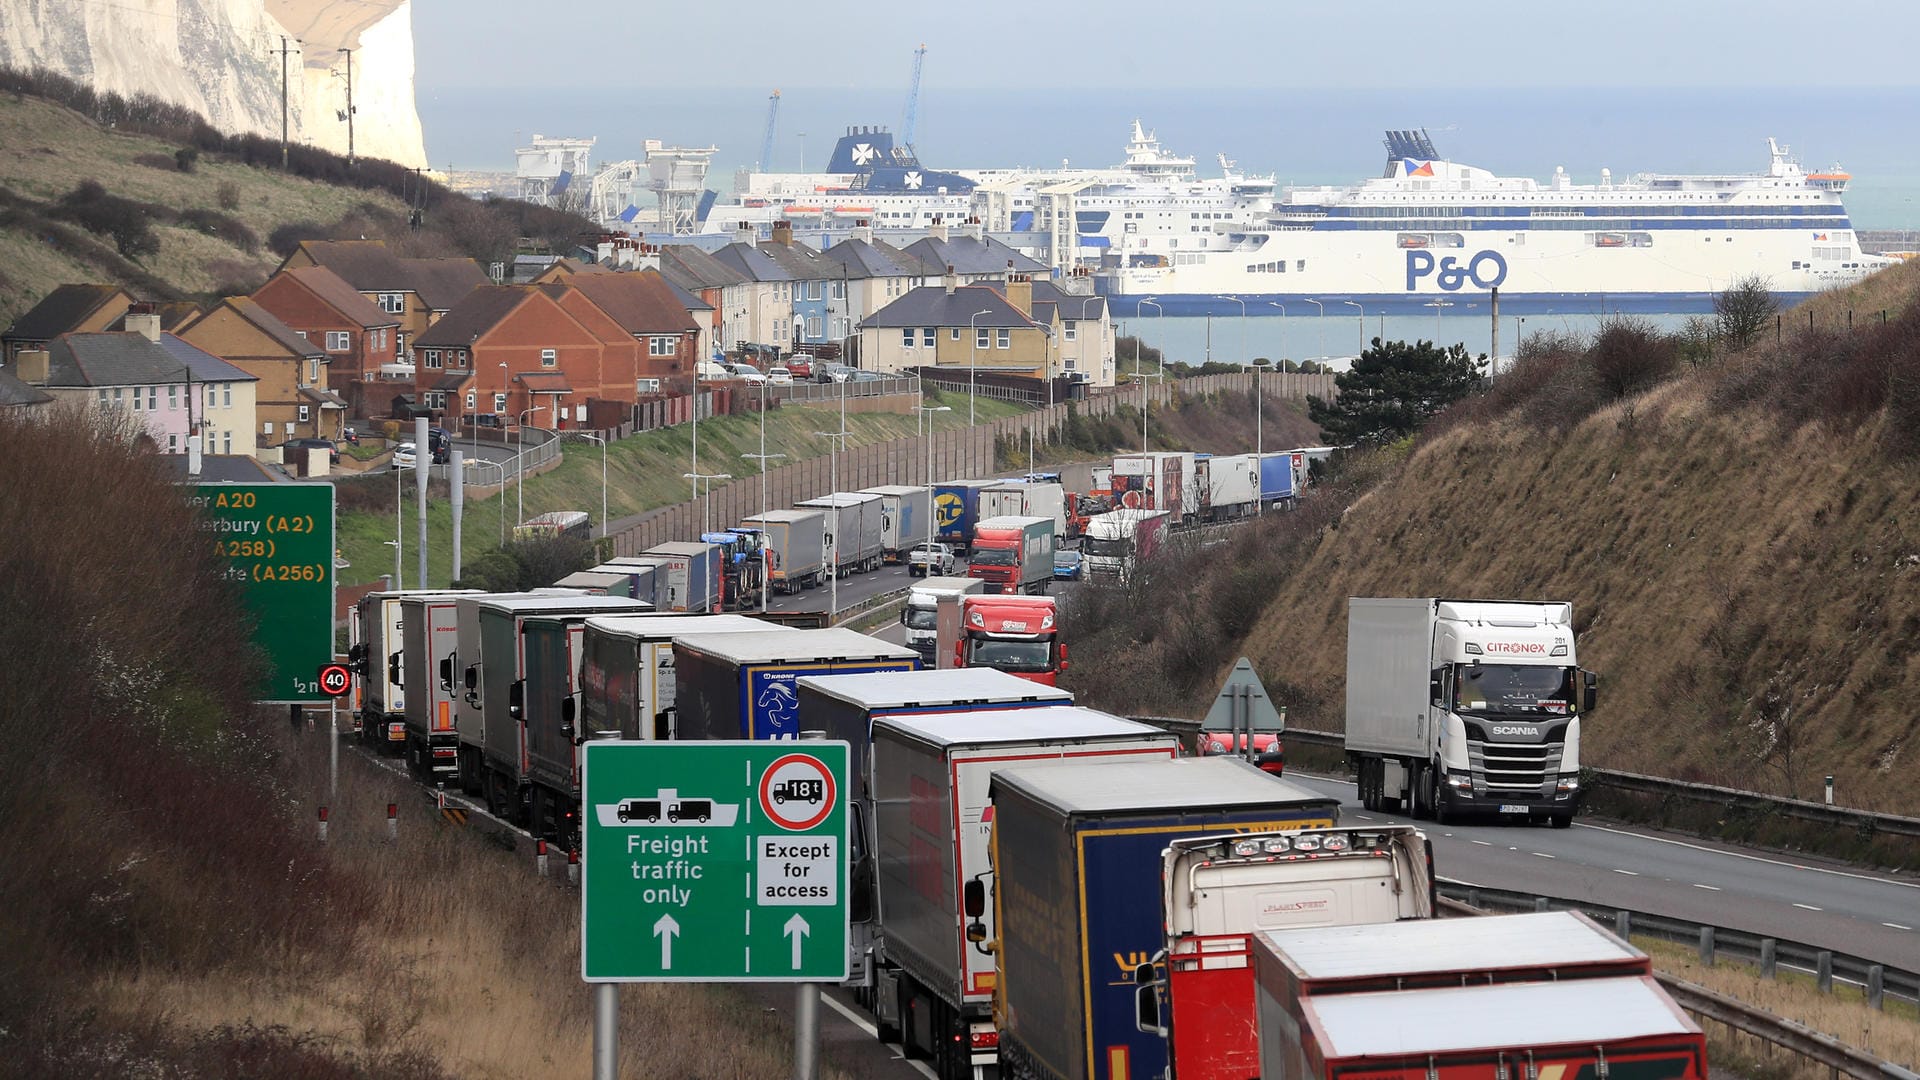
1019, 635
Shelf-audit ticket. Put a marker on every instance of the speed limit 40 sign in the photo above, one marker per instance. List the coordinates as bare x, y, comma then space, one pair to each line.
335, 680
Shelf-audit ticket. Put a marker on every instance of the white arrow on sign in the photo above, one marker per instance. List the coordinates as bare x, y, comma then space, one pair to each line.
665, 929
797, 929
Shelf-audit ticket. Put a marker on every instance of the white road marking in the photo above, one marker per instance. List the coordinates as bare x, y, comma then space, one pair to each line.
1629, 873
1544, 855
1896, 926
1709, 888
861, 1022
1482, 843
1808, 907
1750, 858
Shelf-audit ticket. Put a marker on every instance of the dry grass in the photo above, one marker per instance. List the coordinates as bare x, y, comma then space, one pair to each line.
1843, 1014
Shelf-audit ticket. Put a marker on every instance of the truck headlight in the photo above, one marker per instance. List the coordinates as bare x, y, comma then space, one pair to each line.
1568, 785
1460, 782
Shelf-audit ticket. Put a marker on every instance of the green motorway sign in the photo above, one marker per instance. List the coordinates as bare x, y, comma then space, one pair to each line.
714, 862
278, 543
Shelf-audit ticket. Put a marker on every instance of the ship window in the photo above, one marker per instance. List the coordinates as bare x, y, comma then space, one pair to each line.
1300, 264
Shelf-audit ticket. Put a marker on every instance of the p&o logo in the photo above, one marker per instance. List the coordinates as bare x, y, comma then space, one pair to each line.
1486, 270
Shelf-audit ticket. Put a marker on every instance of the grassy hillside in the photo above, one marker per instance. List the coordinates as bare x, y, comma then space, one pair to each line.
1740, 542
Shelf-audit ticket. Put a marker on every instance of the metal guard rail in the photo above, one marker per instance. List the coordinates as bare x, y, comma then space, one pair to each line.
1797, 1039
1866, 822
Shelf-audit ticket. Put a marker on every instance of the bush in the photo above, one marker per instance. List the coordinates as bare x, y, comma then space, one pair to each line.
1629, 356
287, 238
127, 222
228, 195
216, 224
186, 158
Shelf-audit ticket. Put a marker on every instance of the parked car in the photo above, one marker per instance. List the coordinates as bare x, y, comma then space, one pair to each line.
800, 367
863, 376
939, 557
1066, 564
707, 369
403, 455
292, 447
831, 373
779, 376
750, 374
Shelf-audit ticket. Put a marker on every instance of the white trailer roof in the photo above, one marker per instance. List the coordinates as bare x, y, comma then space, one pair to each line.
776, 644
1428, 946
839, 498
784, 515
1042, 723
895, 489
680, 547
528, 604
905, 689
1581, 1012
666, 627
1186, 783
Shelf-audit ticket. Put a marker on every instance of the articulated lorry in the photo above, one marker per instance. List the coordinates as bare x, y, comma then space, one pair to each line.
906, 518
1019, 635
956, 507
921, 614
1013, 554
690, 577
1282, 477
374, 642
1217, 891
1076, 861
741, 686
1162, 480
1229, 485
1546, 994
1117, 543
797, 540
1459, 707
627, 674
934, 969
1034, 498
429, 637
853, 530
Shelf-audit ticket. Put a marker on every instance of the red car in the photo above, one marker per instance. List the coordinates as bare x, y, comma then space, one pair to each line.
1268, 753
800, 368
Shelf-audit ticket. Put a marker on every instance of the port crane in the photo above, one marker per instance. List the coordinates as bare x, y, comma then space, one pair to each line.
912, 156
766, 141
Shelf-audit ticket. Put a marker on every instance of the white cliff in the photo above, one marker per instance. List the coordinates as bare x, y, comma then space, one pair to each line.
220, 58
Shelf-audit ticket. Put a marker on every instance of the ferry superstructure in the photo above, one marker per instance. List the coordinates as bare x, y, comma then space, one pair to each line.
1436, 236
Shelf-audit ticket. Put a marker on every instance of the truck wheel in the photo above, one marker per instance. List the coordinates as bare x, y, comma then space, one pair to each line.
909, 1019
1422, 794
1562, 821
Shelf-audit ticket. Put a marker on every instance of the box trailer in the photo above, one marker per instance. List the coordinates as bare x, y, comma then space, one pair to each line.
691, 573
1013, 554
956, 506
853, 530
1229, 486
741, 686
429, 637
906, 518
374, 646
627, 674
798, 541
1030, 499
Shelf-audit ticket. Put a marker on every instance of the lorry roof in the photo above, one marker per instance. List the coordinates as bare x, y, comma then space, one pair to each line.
947, 585
839, 498
776, 644
1186, 783
1037, 724
1584, 1012
1012, 521
528, 604
1426, 946
666, 627
679, 547
894, 489
784, 515
904, 689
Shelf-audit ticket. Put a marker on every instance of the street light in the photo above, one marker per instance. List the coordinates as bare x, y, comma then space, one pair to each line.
520, 461
1363, 325
1323, 330
395, 545
927, 412
760, 460
1158, 314
1438, 306
603, 473
1283, 329
706, 511
483, 463
973, 362
833, 481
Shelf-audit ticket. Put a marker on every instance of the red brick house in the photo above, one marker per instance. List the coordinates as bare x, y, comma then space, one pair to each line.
360, 340
645, 307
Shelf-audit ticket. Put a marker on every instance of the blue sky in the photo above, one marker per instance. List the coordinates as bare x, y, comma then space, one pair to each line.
1230, 44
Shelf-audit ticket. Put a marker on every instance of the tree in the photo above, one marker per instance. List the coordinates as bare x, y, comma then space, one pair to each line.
1394, 388
1745, 309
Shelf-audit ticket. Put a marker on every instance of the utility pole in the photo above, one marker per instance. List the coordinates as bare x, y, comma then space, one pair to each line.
348, 115
284, 50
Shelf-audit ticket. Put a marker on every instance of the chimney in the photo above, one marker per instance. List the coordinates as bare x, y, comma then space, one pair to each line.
33, 366
937, 230
952, 280
1020, 293
647, 258
744, 233
976, 230
143, 320
861, 231
783, 233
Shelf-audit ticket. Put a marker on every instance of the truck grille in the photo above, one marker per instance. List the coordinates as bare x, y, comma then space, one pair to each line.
1514, 767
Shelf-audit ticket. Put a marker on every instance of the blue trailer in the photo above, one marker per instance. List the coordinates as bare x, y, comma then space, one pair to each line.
956, 507
1278, 477
1076, 860
742, 686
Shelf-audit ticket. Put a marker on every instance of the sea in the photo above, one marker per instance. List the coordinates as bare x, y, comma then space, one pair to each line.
1301, 136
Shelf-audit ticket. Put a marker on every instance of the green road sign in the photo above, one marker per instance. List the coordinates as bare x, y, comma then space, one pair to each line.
714, 862
277, 540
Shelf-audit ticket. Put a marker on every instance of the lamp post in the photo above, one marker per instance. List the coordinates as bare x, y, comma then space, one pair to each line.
399, 520
706, 511
1158, 314
603, 473
1438, 306
1363, 325
833, 481
520, 461
973, 362
926, 411
1321, 308
1283, 329
395, 545
483, 463
760, 461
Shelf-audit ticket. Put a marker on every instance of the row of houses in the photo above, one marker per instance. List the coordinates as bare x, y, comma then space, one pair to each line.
348, 329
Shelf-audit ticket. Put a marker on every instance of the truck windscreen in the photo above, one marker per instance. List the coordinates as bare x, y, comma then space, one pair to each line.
992, 556
1010, 655
1109, 549
923, 618
1513, 688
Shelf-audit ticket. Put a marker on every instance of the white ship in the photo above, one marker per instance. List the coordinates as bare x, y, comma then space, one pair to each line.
1434, 236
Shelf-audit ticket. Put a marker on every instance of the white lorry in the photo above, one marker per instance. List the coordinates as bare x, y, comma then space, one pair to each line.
1459, 707
1117, 542
921, 615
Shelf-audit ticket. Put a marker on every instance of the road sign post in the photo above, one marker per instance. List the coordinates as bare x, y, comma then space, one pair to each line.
714, 862
278, 544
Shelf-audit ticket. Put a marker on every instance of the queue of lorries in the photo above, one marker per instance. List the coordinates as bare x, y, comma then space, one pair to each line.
1043, 890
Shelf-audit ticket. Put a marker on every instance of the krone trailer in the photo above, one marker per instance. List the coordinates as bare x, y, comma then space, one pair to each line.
627, 674
934, 974
741, 686
1459, 707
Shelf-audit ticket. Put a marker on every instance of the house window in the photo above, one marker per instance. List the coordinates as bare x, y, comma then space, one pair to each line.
661, 345
956, 333
1006, 340
549, 358
499, 403
337, 341
313, 371
209, 395
153, 399
460, 359
982, 339
471, 400
433, 358
393, 303
906, 337
1069, 333
1069, 363
303, 337
839, 290
306, 413
173, 397
173, 443
646, 386
926, 336
226, 442
226, 395
267, 429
